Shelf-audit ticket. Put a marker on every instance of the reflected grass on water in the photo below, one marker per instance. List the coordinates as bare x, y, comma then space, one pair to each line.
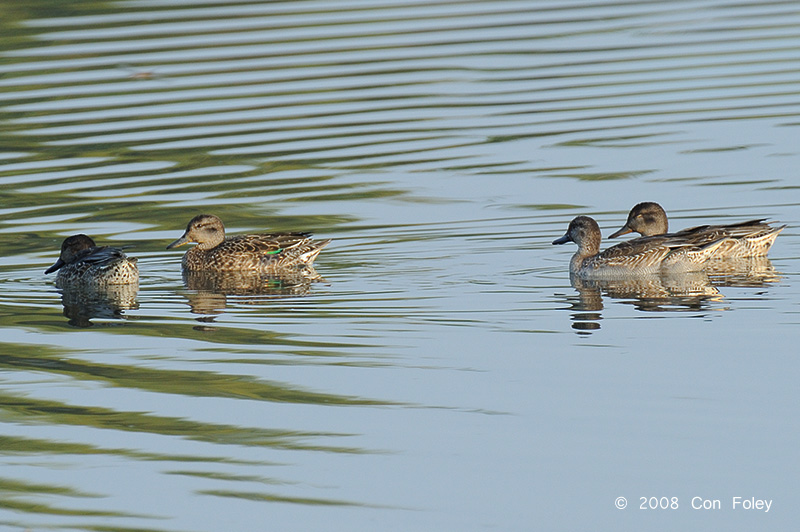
20, 409
441, 146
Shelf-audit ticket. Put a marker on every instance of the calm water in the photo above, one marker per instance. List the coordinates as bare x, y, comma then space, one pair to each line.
447, 376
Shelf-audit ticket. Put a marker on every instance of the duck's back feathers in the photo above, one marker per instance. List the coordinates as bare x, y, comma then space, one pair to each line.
256, 253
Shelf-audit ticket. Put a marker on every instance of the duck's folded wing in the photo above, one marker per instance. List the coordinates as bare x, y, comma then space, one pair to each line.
638, 252
102, 256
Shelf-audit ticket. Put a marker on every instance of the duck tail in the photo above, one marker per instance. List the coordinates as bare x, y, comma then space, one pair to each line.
777, 230
309, 255
762, 242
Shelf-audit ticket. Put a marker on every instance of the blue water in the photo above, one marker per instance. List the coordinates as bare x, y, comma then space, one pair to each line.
446, 375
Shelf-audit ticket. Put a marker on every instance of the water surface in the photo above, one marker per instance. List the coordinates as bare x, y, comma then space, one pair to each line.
447, 375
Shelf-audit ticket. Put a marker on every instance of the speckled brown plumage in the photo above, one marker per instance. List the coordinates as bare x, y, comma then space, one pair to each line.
752, 238
82, 263
640, 256
259, 253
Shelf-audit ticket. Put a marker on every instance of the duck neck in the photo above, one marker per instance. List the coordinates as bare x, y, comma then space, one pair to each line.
210, 244
587, 247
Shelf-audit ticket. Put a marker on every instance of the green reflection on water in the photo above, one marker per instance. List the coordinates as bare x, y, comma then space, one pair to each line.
216, 475
21, 446
271, 497
25, 410
182, 382
12, 492
603, 176
190, 383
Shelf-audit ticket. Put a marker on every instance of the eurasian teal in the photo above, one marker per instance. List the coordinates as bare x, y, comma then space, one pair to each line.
256, 253
640, 256
752, 238
83, 263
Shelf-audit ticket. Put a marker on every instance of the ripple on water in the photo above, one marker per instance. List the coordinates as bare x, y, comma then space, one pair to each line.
442, 146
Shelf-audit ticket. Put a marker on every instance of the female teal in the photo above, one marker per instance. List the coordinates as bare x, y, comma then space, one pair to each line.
752, 238
254, 253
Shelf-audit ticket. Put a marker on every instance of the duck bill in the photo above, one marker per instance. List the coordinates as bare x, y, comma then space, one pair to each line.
623, 231
563, 240
181, 241
59, 263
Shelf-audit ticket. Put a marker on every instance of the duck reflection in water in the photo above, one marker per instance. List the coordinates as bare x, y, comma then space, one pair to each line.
210, 290
751, 272
95, 281
85, 303
685, 292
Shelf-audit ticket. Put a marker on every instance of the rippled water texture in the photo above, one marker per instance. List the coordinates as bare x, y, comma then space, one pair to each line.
444, 374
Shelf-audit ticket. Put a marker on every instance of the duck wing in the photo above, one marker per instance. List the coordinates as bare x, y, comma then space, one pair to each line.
704, 234
265, 244
638, 252
100, 256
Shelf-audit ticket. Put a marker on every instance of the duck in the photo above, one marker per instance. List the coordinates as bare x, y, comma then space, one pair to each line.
83, 263
640, 256
248, 253
752, 238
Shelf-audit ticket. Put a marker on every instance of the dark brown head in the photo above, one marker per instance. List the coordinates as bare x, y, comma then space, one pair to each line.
647, 219
72, 249
205, 229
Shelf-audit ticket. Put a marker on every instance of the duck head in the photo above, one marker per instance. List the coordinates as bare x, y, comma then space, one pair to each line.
72, 249
647, 218
204, 229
